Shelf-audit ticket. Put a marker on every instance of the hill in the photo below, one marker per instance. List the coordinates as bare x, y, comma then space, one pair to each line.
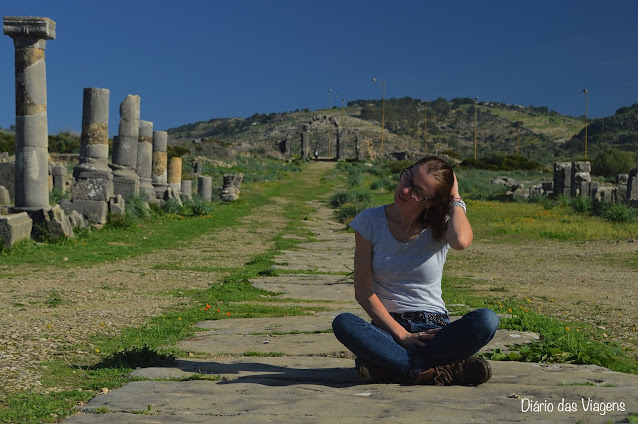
535, 132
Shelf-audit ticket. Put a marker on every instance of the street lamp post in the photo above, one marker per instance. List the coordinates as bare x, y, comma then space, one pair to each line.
518, 143
328, 123
382, 112
586, 110
475, 125
425, 128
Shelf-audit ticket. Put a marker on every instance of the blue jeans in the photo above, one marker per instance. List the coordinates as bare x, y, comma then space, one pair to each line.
456, 340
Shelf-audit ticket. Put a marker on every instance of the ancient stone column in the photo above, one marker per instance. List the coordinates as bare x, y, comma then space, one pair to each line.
126, 182
59, 173
341, 148
31, 173
357, 147
205, 188
632, 186
160, 181
187, 189
305, 140
93, 179
175, 174
145, 160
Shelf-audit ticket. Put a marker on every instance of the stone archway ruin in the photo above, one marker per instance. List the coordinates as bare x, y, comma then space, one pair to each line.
303, 132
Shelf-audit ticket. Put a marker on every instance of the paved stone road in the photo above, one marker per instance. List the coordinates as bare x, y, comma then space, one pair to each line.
314, 382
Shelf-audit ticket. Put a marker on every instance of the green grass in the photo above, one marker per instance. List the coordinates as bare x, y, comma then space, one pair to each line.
561, 341
78, 377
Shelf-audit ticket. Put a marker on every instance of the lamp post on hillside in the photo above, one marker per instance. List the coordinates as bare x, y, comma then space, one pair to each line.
382, 112
586, 110
475, 125
425, 122
328, 123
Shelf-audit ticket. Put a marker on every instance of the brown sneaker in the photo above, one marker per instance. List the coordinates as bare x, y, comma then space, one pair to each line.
471, 371
369, 373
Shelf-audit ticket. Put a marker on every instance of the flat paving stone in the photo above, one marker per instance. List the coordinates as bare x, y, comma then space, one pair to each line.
336, 292
251, 399
291, 344
295, 368
242, 326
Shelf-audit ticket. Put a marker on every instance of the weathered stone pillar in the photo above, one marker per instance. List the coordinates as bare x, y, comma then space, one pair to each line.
562, 178
145, 160
231, 187
93, 179
632, 186
580, 179
305, 141
187, 189
59, 174
175, 174
357, 147
31, 174
205, 188
341, 148
126, 182
160, 160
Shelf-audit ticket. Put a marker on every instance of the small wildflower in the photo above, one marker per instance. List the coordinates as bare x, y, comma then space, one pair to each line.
529, 300
48, 325
526, 311
228, 313
509, 310
566, 328
179, 318
97, 350
102, 324
218, 310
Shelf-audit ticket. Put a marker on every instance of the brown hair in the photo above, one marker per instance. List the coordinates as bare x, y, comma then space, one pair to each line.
435, 215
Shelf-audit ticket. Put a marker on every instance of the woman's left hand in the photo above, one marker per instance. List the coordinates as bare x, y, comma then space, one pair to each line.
454, 193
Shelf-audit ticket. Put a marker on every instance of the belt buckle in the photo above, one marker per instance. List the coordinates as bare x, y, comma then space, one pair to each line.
408, 315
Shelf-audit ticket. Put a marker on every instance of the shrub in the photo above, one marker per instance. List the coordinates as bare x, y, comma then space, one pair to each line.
620, 213
350, 196
172, 206
609, 163
198, 206
581, 204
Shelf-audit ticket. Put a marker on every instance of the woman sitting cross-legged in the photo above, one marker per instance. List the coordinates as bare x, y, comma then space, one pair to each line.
400, 250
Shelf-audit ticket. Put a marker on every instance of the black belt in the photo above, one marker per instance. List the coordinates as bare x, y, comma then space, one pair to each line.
440, 319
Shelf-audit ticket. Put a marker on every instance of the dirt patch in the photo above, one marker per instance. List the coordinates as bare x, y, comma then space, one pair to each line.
592, 282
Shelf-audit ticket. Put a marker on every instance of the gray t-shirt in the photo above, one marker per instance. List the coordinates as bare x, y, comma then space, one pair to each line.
405, 276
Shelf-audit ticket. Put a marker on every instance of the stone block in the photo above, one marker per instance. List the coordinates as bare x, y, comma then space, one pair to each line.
117, 205
77, 220
8, 176
15, 228
5, 199
605, 194
94, 211
547, 185
622, 178
99, 189
57, 223
584, 166
562, 176
583, 189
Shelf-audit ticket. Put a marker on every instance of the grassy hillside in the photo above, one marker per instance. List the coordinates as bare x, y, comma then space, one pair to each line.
534, 132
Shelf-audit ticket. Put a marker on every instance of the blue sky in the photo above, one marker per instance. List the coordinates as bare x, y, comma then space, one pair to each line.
195, 60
